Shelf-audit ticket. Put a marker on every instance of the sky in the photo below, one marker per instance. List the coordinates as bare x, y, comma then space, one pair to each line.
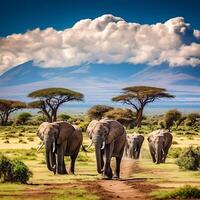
99, 47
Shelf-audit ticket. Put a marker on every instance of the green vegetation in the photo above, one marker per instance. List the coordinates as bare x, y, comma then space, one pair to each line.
98, 111
172, 117
189, 159
13, 170
23, 118
186, 192
76, 194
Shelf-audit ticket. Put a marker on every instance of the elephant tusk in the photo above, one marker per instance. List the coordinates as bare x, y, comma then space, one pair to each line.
103, 145
89, 145
54, 147
40, 146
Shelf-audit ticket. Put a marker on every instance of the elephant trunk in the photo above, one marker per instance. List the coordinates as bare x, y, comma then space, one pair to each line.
158, 154
97, 145
50, 157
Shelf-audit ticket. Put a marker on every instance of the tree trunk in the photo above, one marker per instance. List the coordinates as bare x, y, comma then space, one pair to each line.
139, 117
54, 115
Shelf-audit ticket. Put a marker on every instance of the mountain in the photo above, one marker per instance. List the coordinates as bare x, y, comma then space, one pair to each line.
100, 82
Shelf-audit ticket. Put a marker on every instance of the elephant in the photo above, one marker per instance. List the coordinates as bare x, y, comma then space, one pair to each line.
159, 143
109, 138
133, 145
60, 139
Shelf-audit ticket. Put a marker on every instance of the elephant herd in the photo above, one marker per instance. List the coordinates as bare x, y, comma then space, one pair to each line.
109, 139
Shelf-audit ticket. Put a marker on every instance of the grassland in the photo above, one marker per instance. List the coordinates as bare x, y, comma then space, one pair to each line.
21, 142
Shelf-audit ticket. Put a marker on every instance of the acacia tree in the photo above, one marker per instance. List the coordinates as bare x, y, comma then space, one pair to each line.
124, 116
7, 107
50, 99
98, 111
139, 96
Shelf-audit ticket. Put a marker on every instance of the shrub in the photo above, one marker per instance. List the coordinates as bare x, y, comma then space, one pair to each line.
185, 192
161, 124
6, 141
83, 125
22, 141
23, 117
64, 117
21, 172
31, 139
98, 111
171, 117
13, 170
189, 159
175, 152
174, 142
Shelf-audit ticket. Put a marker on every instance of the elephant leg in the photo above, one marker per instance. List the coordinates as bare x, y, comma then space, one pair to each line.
73, 160
107, 174
164, 155
138, 154
72, 165
53, 161
117, 169
153, 156
61, 169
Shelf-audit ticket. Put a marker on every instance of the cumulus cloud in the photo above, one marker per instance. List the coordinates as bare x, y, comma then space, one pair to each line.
106, 39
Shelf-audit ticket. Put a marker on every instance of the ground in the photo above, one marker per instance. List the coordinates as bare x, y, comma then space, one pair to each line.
138, 178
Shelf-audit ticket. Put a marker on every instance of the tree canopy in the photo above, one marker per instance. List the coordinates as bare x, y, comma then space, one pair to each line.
98, 111
124, 116
50, 99
139, 96
8, 106
172, 117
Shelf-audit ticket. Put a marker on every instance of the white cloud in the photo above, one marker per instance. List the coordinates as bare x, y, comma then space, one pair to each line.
106, 39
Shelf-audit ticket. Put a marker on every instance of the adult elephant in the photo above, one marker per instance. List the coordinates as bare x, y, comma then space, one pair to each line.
60, 139
133, 145
159, 143
109, 138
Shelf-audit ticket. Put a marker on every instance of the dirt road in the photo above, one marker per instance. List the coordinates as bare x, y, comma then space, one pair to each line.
126, 187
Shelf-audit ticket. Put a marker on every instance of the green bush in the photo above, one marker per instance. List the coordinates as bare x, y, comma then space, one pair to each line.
189, 159
83, 125
23, 117
64, 117
185, 192
175, 152
13, 170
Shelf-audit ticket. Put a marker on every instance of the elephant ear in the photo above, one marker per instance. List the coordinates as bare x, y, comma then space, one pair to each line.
150, 139
63, 130
57, 132
115, 129
41, 130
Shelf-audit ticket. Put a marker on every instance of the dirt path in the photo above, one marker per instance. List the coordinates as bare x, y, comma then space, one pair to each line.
126, 187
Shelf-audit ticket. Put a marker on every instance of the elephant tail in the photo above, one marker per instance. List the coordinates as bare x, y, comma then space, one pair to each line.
83, 148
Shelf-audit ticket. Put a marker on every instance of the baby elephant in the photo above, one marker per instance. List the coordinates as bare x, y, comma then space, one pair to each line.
133, 146
159, 144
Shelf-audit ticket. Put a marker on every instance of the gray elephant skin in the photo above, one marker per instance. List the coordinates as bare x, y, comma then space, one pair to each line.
60, 139
159, 143
133, 145
109, 138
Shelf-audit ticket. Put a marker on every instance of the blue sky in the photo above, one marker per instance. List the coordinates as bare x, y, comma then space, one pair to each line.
121, 43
